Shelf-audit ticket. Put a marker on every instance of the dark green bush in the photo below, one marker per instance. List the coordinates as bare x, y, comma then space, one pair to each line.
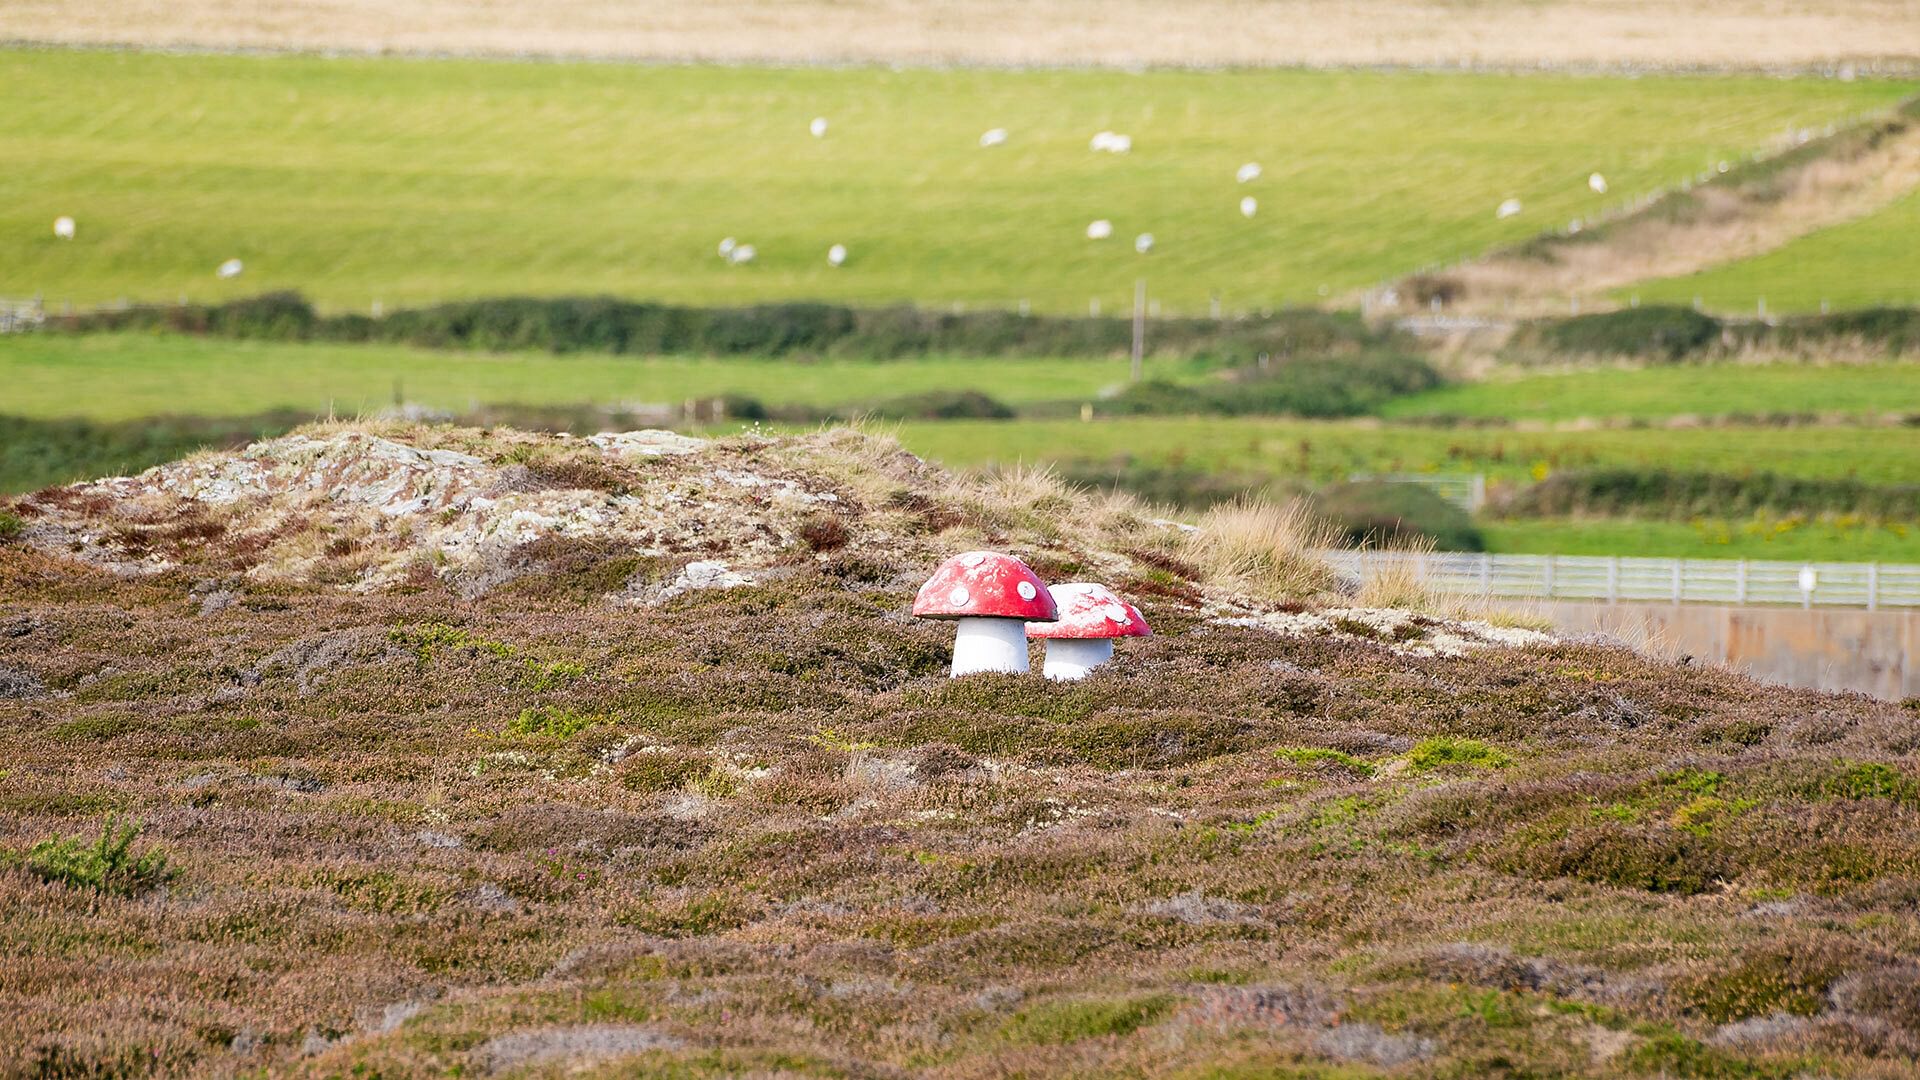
1313, 387
1654, 333
942, 405
1384, 514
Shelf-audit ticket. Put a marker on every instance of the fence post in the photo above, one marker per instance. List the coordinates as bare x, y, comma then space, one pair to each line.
1549, 576
1613, 580
1677, 585
1873, 586
1486, 574
1740, 584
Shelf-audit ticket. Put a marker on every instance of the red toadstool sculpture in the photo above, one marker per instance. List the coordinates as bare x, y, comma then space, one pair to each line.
992, 597
1081, 639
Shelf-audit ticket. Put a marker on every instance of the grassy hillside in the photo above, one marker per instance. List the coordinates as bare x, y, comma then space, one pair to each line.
126, 376
529, 811
1864, 263
403, 181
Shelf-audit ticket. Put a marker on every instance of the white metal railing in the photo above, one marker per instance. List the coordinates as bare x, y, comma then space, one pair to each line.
1678, 581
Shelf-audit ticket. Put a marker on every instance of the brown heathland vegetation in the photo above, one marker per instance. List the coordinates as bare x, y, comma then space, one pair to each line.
1608, 33
430, 800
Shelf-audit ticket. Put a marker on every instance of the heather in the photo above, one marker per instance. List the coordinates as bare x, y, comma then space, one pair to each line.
570, 803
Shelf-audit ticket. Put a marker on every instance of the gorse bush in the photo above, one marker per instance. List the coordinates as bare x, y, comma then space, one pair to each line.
609, 325
105, 865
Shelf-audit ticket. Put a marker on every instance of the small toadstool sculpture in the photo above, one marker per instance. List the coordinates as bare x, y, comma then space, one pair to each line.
1081, 639
992, 597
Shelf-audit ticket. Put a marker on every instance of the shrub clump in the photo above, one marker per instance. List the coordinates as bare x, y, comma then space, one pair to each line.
1058, 1022
1317, 386
1379, 513
105, 865
1654, 332
1447, 751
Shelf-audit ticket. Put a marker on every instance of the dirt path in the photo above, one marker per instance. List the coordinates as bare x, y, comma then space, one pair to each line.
1579, 33
1743, 214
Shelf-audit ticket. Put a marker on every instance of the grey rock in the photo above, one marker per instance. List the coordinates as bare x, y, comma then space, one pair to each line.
581, 1045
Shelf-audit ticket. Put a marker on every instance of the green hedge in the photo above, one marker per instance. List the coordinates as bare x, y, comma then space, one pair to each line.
1679, 496
607, 325
1664, 334
1314, 387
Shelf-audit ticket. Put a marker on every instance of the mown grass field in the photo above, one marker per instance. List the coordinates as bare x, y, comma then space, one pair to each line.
1331, 450
1863, 263
1707, 390
407, 180
126, 376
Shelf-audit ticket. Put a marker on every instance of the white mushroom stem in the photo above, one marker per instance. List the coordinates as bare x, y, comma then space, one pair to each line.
989, 645
1073, 658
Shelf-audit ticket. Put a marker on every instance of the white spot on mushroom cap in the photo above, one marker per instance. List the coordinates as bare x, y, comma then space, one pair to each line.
1026, 590
973, 558
960, 596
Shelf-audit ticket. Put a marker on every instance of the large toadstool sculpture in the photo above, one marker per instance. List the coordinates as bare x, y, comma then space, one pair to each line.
991, 597
1081, 639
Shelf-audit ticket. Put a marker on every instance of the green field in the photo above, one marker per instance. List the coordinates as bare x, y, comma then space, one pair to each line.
1865, 263
406, 180
1690, 390
1755, 538
1333, 450
126, 376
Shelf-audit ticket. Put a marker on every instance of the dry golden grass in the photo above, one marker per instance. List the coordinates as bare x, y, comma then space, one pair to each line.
1264, 548
1712, 33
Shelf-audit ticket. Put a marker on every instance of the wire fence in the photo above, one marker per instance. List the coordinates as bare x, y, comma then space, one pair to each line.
20, 314
1678, 581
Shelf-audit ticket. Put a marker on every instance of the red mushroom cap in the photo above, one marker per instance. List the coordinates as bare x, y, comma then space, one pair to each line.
1091, 611
984, 585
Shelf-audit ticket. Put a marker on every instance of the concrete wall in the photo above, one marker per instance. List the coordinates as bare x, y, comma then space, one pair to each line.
1830, 649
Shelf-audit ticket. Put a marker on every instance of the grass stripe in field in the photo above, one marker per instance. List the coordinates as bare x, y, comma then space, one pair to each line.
1708, 390
1329, 450
1874, 261
407, 181
125, 376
